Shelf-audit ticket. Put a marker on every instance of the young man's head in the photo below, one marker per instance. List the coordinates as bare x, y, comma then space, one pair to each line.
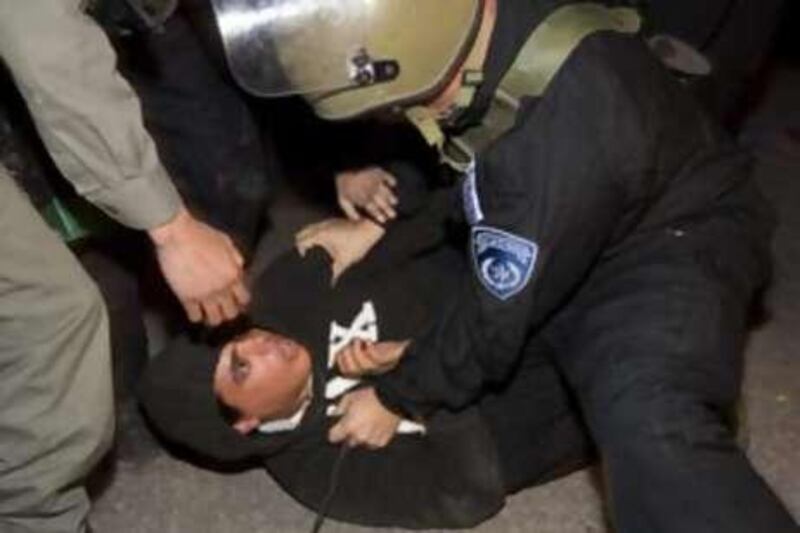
262, 376
352, 57
258, 375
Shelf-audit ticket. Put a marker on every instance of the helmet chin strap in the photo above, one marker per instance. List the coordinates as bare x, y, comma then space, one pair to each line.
428, 118
426, 121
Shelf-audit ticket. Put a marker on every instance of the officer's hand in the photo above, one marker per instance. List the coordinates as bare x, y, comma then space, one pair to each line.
346, 241
370, 190
362, 357
365, 421
202, 267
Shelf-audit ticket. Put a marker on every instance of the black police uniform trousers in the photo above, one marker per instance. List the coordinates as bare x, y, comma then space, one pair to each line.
648, 348
648, 355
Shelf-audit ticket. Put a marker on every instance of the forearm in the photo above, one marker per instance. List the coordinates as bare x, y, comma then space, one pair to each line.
473, 339
87, 115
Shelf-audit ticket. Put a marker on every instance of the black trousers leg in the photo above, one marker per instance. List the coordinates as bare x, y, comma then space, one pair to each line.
652, 346
203, 128
535, 422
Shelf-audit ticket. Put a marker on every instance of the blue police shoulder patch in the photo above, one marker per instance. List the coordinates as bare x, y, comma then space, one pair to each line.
503, 262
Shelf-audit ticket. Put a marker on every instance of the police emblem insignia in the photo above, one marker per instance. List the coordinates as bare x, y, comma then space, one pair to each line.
503, 262
469, 194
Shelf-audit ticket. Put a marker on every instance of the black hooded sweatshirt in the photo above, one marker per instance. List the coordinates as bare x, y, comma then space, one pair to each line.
448, 477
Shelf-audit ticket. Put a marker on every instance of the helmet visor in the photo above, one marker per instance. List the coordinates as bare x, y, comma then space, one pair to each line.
282, 47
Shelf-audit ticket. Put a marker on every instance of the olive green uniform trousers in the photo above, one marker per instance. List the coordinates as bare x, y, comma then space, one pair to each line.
56, 409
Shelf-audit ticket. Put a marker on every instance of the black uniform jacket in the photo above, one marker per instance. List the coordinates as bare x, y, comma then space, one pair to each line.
614, 154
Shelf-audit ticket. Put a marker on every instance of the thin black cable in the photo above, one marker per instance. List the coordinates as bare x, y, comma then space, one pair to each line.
716, 29
332, 484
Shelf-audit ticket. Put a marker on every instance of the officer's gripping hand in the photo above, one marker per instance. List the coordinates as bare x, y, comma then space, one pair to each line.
202, 267
364, 422
346, 241
362, 357
370, 190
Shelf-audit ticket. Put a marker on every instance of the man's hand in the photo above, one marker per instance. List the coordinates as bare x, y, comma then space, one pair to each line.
362, 357
365, 421
202, 267
346, 241
370, 190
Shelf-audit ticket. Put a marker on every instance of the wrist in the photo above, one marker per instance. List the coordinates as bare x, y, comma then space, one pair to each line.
371, 229
170, 231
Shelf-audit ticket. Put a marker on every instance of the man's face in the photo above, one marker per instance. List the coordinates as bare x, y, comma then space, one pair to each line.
263, 375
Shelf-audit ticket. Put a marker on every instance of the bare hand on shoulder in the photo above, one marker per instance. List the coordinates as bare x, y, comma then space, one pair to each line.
202, 267
346, 241
370, 190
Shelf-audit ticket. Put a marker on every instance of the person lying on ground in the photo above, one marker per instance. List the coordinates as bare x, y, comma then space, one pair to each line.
275, 392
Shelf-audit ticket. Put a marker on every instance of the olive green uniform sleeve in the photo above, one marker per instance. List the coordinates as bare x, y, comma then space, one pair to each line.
87, 115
